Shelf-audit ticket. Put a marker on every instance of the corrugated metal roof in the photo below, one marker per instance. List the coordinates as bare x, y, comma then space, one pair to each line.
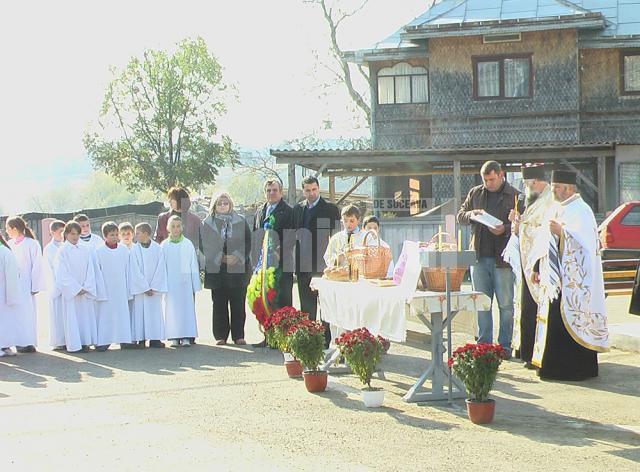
622, 16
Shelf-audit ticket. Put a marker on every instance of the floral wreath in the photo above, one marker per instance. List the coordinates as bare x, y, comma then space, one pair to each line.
263, 289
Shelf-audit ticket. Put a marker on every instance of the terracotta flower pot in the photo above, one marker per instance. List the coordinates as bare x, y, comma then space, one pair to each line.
481, 412
294, 368
315, 380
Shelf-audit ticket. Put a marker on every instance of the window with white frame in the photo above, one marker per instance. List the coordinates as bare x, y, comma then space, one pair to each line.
403, 83
631, 73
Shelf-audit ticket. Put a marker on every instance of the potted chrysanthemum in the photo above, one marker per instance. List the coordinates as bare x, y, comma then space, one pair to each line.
476, 365
276, 328
306, 341
362, 351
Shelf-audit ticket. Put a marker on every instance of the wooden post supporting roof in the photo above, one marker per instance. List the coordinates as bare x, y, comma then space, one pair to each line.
457, 191
602, 182
291, 194
332, 189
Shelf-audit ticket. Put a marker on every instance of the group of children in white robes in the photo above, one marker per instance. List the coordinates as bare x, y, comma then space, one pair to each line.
100, 291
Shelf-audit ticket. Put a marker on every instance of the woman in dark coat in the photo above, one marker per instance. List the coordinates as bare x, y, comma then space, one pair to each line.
225, 241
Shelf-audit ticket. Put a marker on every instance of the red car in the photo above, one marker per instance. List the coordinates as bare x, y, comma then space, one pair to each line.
620, 232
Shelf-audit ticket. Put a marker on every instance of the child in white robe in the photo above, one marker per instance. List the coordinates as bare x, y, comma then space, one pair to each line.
114, 320
183, 281
56, 320
125, 234
87, 238
351, 235
80, 281
147, 317
11, 300
28, 253
372, 223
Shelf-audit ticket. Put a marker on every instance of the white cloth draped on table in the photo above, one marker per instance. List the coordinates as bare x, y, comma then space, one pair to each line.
362, 304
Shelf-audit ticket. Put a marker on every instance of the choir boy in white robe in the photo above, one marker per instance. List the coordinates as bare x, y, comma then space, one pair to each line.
183, 281
114, 320
80, 281
56, 320
28, 253
86, 236
350, 236
11, 300
147, 320
125, 234
372, 223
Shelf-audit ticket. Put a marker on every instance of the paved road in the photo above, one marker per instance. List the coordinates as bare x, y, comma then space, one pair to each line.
231, 408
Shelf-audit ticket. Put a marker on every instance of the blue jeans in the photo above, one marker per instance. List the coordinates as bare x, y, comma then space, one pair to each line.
489, 279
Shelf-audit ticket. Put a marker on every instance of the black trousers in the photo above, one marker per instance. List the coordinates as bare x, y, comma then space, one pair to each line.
286, 290
223, 298
309, 302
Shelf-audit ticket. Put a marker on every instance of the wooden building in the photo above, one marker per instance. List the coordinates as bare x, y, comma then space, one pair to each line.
518, 81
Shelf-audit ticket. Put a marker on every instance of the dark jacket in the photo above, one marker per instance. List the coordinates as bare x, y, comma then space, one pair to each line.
190, 224
217, 274
634, 307
283, 216
477, 200
312, 244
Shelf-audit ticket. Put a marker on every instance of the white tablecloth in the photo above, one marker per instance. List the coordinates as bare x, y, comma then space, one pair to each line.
362, 304
351, 305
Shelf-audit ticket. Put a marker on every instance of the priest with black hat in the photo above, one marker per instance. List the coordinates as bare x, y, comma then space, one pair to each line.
528, 227
572, 320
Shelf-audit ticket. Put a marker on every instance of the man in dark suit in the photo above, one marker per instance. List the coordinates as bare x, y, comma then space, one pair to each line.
283, 225
315, 220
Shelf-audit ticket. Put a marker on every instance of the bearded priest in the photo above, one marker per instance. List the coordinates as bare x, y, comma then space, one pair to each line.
530, 226
572, 321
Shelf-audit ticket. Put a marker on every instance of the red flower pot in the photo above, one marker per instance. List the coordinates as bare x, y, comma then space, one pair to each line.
315, 380
481, 412
294, 368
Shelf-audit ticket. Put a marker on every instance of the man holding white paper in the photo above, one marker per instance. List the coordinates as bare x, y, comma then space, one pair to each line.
495, 198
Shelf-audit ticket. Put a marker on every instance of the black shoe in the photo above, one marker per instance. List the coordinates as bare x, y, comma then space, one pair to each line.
26, 349
102, 348
85, 349
156, 343
60, 348
261, 344
530, 366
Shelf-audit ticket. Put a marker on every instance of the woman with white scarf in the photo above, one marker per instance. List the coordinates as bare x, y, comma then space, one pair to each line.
225, 241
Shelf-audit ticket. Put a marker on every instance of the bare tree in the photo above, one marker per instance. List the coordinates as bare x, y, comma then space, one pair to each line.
259, 163
334, 15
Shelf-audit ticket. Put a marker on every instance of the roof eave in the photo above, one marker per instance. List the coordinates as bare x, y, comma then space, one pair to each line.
591, 21
364, 56
610, 42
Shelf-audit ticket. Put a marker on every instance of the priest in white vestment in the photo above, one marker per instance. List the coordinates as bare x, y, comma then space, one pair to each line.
572, 320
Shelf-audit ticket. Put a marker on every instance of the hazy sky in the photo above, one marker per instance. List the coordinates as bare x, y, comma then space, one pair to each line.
56, 59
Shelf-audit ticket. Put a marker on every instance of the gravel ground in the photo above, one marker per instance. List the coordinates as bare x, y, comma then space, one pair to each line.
233, 408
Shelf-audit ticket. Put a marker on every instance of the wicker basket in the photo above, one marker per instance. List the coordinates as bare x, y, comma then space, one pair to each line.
372, 261
433, 278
